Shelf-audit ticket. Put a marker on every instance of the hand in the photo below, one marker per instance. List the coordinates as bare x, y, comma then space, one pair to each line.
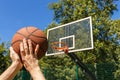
15, 58
13, 69
29, 58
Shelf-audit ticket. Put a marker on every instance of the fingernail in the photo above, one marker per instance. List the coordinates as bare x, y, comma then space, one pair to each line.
24, 39
29, 40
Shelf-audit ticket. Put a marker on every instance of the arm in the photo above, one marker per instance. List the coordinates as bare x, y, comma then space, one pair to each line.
30, 60
37, 74
10, 73
16, 65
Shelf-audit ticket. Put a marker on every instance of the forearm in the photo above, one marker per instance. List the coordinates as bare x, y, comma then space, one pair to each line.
37, 74
10, 73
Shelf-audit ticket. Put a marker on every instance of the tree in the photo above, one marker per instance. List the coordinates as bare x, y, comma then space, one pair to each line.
4, 57
105, 42
115, 30
101, 10
69, 10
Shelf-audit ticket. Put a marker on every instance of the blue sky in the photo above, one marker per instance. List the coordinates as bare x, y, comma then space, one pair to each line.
15, 14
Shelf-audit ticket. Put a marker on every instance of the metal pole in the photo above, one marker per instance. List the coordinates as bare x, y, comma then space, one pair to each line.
45, 70
25, 74
77, 76
83, 67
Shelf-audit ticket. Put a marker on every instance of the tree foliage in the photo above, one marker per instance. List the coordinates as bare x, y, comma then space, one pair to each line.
101, 10
116, 30
4, 58
105, 31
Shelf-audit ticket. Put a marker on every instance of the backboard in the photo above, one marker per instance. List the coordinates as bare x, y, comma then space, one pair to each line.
77, 35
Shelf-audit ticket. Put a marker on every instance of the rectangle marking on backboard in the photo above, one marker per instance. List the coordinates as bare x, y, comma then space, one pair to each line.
67, 37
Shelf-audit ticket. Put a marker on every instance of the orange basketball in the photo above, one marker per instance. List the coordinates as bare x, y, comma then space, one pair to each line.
36, 36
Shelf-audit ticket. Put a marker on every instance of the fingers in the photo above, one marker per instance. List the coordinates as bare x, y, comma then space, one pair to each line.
14, 56
30, 46
28, 53
22, 49
36, 49
12, 52
11, 49
25, 46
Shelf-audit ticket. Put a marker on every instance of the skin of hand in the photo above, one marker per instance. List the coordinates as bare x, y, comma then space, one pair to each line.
12, 70
15, 58
30, 60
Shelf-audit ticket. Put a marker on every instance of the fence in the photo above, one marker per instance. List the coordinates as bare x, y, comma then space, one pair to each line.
103, 71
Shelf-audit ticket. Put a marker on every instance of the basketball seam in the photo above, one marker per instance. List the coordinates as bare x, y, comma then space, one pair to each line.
24, 35
33, 34
21, 34
27, 37
32, 41
40, 47
16, 42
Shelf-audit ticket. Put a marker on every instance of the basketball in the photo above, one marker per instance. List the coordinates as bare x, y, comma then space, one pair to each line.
35, 35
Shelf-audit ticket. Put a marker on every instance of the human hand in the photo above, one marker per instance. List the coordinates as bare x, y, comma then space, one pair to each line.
28, 55
15, 58
13, 69
29, 59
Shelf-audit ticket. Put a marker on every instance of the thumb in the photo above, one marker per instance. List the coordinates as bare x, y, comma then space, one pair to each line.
11, 50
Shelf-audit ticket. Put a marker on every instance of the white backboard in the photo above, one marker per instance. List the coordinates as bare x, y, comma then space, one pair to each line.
78, 35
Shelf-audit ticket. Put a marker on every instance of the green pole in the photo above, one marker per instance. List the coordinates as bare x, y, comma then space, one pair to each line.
77, 76
45, 72
25, 74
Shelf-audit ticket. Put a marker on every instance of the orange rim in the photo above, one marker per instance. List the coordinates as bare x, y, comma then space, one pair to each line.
64, 48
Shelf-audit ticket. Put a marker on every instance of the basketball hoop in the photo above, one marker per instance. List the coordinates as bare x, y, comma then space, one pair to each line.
64, 46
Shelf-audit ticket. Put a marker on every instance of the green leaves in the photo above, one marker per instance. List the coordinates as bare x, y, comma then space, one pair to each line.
4, 58
106, 32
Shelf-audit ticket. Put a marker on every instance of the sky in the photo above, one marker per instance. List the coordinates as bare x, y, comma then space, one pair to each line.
16, 14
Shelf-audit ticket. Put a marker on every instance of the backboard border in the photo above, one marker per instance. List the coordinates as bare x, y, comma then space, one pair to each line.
91, 31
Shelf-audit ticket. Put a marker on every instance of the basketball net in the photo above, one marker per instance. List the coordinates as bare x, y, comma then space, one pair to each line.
64, 47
